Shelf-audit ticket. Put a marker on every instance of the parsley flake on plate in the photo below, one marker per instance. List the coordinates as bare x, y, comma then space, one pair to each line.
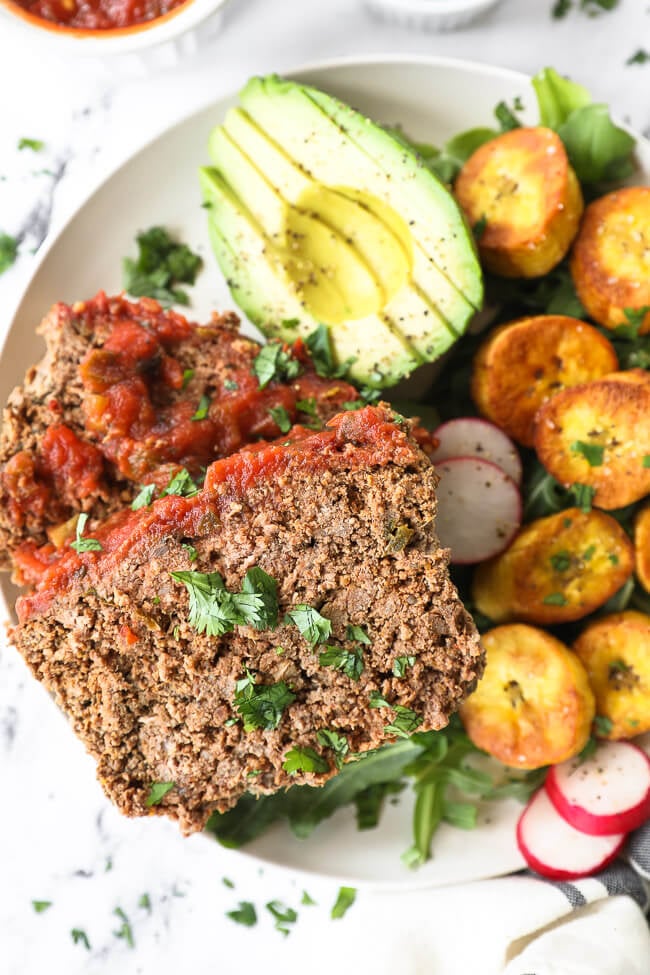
304, 760
158, 791
215, 611
161, 265
261, 705
273, 362
84, 544
350, 662
314, 627
344, 901
244, 914
641, 56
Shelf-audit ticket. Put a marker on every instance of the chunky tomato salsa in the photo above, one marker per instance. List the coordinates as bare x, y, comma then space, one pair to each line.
99, 14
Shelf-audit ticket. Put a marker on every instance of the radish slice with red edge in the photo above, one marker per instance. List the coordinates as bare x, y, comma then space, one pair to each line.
607, 793
555, 849
468, 436
479, 509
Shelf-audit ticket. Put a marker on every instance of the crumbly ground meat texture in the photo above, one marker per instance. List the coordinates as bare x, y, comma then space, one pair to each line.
352, 536
49, 419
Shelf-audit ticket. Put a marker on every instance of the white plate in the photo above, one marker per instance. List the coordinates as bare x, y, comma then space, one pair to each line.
433, 99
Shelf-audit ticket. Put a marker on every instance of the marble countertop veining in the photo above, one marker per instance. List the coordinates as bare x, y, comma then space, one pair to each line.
60, 839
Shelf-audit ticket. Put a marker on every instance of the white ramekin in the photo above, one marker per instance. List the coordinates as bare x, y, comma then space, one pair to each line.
431, 15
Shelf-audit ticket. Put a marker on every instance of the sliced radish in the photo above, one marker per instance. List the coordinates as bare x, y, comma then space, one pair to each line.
469, 436
607, 793
555, 849
479, 509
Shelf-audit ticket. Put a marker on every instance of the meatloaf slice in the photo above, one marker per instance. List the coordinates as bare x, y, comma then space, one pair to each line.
343, 521
128, 393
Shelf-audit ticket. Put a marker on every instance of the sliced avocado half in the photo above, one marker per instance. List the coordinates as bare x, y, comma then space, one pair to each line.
317, 215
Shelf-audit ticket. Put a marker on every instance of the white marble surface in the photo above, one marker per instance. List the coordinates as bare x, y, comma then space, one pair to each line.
58, 834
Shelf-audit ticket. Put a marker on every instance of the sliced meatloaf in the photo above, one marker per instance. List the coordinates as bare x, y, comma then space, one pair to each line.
128, 393
343, 521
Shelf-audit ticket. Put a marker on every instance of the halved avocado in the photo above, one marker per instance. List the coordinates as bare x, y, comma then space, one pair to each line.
317, 215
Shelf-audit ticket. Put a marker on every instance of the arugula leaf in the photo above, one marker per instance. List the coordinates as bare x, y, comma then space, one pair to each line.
181, 484
404, 723
401, 663
557, 97
41, 906
369, 803
244, 914
519, 786
125, 930
144, 497
283, 915
162, 263
350, 662
84, 544
8, 251
344, 901
593, 453
272, 362
314, 627
261, 705
36, 145
598, 150
337, 742
304, 760
157, 792
281, 418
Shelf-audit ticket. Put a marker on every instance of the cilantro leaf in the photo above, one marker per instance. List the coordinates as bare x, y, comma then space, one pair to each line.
557, 97
555, 599
337, 742
125, 930
245, 914
506, 118
350, 662
84, 544
404, 723
157, 792
602, 726
281, 418
401, 663
41, 906
162, 263
144, 497
144, 902
376, 700
307, 406
272, 362
202, 408
584, 496
593, 453
257, 582
8, 251
181, 484
261, 705
188, 376
314, 627
304, 760
36, 145
359, 634
344, 901
561, 561
80, 937
307, 900
215, 611
641, 56
230, 385
320, 349
283, 915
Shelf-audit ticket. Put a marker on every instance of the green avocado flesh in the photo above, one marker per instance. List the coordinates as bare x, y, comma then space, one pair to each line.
319, 216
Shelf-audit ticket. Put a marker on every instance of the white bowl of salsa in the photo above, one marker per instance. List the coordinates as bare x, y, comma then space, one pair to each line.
103, 27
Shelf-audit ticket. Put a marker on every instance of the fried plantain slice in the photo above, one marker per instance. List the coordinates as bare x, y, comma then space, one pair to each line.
642, 547
616, 653
610, 261
598, 433
558, 569
525, 362
533, 706
522, 185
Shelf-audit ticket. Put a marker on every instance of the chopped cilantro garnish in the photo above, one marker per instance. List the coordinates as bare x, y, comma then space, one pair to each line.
593, 453
479, 227
344, 901
307, 900
8, 252
304, 760
359, 634
337, 742
560, 561
124, 931
281, 418
404, 723
230, 385
602, 725
584, 496
188, 376
36, 145
245, 914
272, 362
506, 118
588, 750
350, 662
181, 484
377, 701
84, 544
227, 882
588, 553
191, 551
145, 902
80, 937
41, 906
646, 460
158, 791
202, 408
215, 611
261, 705
283, 915
162, 263
314, 627
555, 599
640, 56
144, 497
320, 349
307, 406
400, 665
